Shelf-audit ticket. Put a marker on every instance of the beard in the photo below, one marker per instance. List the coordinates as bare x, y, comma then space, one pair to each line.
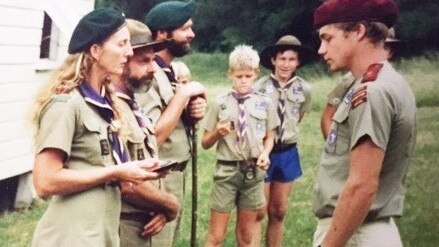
179, 49
139, 85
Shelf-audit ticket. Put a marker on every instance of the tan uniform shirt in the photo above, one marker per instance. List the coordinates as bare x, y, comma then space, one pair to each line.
298, 102
136, 147
336, 95
260, 118
176, 146
388, 117
90, 217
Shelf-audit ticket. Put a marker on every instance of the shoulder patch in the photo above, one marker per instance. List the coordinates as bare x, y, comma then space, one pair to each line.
371, 73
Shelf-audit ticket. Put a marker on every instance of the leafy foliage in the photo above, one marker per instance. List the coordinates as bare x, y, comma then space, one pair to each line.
222, 24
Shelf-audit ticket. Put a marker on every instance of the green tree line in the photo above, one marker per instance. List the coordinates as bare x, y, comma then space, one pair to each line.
222, 24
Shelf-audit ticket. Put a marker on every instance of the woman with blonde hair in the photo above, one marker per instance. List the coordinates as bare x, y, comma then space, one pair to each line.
79, 138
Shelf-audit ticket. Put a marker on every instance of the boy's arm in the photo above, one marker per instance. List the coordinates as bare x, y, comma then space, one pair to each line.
211, 137
263, 160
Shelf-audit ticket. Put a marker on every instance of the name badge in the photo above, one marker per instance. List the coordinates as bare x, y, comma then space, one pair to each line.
347, 99
105, 147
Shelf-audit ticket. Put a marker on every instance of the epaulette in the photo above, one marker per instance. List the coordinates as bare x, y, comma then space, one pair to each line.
359, 95
371, 73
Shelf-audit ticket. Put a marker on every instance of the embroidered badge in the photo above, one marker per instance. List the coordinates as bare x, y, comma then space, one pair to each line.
359, 96
295, 111
105, 147
332, 138
223, 106
297, 90
259, 126
269, 88
260, 105
347, 99
140, 154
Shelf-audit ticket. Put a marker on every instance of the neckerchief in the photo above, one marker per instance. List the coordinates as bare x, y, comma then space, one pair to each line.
102, 103
241, 131
140, 117
281, 105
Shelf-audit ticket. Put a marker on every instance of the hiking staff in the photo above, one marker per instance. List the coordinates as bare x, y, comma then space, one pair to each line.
194, 154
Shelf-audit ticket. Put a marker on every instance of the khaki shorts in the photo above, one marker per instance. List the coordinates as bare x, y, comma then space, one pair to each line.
382, 233
232, 189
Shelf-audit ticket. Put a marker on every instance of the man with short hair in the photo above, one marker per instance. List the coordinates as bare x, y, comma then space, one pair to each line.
146, 207
392, 45
174, 108
360, 183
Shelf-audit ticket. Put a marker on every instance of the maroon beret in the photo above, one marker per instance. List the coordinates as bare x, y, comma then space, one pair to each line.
335, 11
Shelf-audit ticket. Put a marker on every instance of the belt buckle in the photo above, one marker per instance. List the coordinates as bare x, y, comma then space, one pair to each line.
249, 169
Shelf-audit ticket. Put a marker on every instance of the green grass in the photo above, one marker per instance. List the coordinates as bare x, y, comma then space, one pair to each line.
420, 224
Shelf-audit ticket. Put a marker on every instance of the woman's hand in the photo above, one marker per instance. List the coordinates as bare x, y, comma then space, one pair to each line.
137, 171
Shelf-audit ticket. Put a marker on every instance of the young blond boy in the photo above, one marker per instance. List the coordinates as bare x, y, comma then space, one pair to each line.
242, 123
181, 71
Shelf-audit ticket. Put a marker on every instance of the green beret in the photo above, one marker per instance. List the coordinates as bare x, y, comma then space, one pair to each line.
170, 15
94, 28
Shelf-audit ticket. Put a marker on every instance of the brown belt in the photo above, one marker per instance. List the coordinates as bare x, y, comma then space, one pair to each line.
237, 162
141, 217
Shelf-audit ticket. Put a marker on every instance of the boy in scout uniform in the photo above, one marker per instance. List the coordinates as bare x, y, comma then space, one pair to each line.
292, 96
145, 208
242, 123
359, 188
79, 140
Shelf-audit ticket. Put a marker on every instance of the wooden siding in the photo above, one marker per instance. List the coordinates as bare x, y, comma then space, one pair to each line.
21, 23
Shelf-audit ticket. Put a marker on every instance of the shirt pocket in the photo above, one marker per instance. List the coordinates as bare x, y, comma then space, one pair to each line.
96, 146
295, 102
136, 147
337, 142
258, 122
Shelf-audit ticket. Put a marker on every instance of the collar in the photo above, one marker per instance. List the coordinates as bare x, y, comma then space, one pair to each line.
166, 68
286, 85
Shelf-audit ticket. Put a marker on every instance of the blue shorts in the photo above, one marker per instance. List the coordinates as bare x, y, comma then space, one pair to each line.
285, 166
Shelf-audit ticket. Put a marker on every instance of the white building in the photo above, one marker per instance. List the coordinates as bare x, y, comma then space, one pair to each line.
34, 36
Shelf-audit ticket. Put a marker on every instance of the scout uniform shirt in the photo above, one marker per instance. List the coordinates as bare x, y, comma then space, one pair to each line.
176, 146
388, 117
298, 101
260, 118
141, 145
90, 217
337, 94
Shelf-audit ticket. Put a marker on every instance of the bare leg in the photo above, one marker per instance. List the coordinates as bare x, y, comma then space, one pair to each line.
277, 206
245, 227
217, 228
